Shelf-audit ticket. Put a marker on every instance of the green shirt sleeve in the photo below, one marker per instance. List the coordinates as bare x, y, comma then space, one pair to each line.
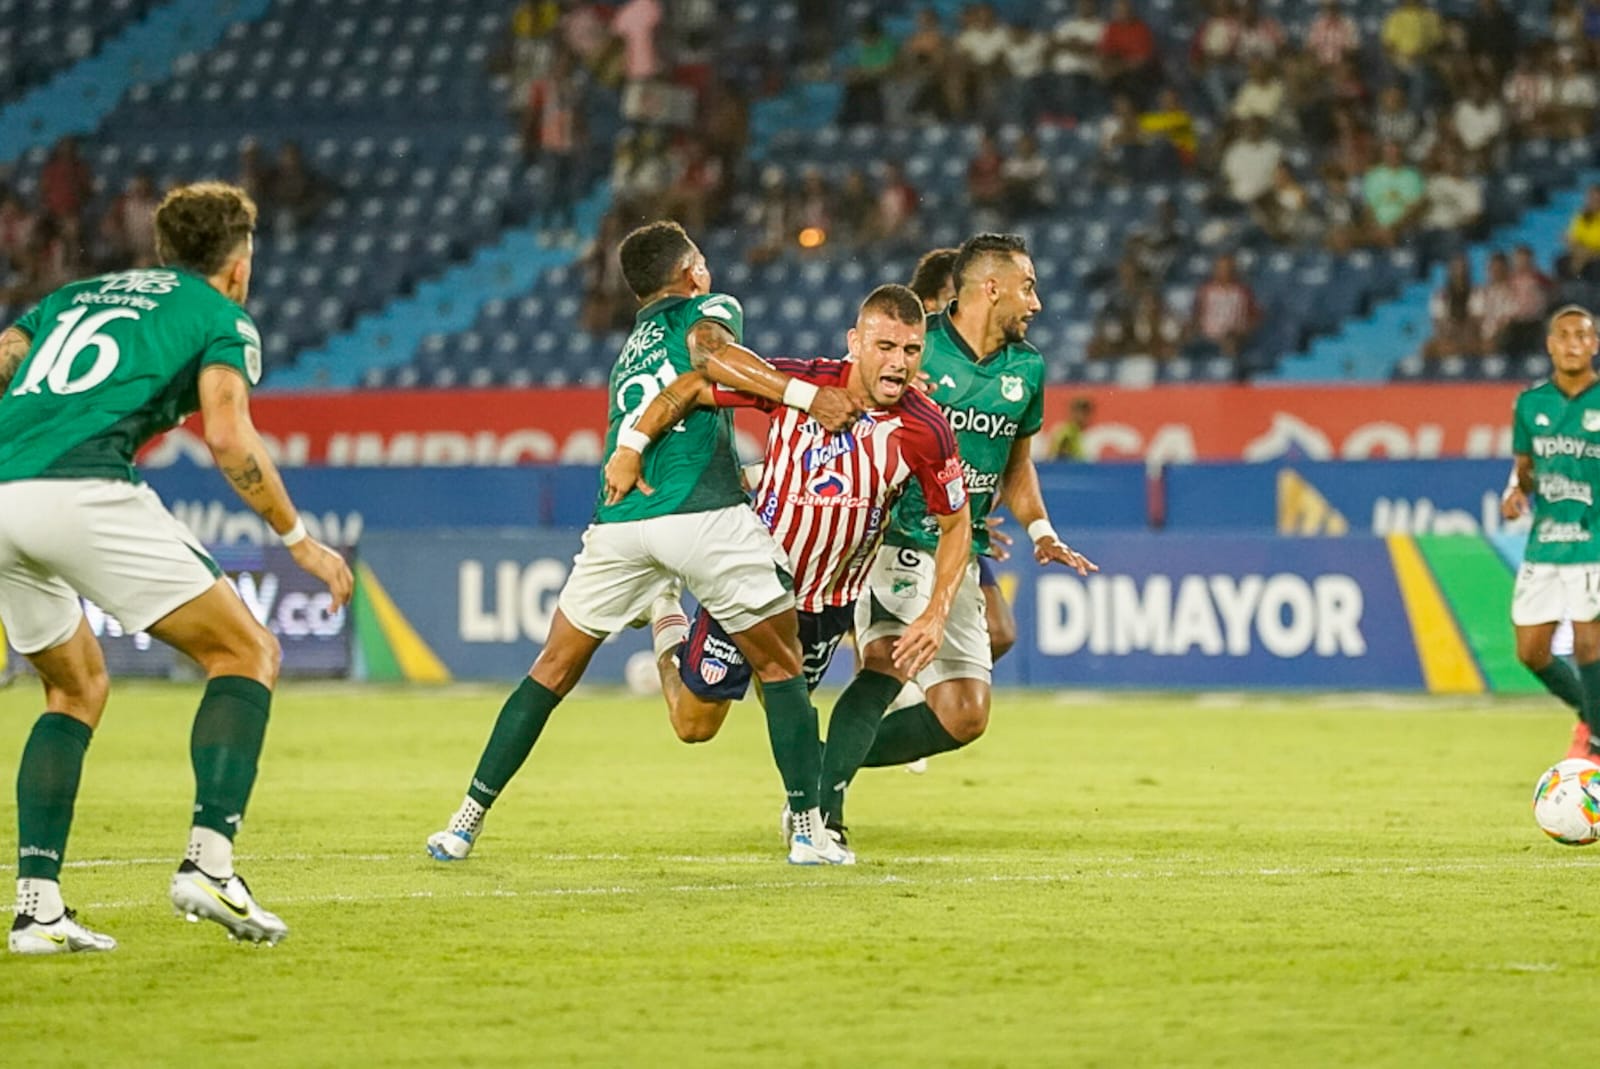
1033, 415
1521, 440
235, 342
720, 308
30, 322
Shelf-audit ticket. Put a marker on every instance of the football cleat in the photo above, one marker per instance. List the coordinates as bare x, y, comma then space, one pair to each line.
199, 897
1579, 747
64, 935
812, 843
450, 845
917, 767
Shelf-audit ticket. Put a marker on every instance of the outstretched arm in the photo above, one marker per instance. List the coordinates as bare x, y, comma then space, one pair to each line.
242, 458
14, 345
1020, 487
712, 349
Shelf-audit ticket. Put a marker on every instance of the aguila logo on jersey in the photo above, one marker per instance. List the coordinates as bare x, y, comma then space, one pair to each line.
836, 446
1011, 387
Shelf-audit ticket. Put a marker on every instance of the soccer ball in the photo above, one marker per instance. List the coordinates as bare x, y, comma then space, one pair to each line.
641, 675
1566, 803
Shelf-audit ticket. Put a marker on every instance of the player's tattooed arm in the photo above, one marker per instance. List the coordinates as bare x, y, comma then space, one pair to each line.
245, 477
727, 363
237, 447
624, 470
14, 345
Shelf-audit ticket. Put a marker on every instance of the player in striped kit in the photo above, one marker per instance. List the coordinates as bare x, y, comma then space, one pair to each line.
826, 499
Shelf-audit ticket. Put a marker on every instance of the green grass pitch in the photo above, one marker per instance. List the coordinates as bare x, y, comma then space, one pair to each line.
1102, 881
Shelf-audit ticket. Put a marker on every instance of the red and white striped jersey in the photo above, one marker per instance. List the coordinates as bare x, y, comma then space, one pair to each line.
826, 497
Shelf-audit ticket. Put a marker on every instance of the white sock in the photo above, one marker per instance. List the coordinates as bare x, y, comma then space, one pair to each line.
809, 824
212, 851
469, 818
909, 695
39, 898
668, 628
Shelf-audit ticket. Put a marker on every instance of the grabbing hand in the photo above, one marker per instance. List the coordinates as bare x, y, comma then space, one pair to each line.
1513, 504
998, 539
328, 566
916, 648
622, 474
834, 408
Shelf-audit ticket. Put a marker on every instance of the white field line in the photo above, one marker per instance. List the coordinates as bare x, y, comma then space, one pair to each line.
799, 883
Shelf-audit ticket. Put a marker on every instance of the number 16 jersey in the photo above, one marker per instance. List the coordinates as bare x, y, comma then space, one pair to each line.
114, 361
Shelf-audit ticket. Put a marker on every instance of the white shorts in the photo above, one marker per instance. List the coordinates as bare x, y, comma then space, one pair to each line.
112, 542
1550, 593
729, 562
899, 587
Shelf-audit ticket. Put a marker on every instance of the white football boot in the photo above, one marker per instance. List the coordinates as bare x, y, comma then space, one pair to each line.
64, 935
229, 902
812, 843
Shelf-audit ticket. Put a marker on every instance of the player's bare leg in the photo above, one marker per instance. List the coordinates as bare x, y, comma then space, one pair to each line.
75, 688
1533, 650
557, 669
773, 649
1002, 623
240, 659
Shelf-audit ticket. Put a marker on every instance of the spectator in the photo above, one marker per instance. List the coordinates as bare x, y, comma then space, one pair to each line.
1530, 96
65, 181
1155, 244
128, 227
897, 206
640, 176
1410, 34
1496, 305
1249, 164
1479, 123
1574, 98
1171, 124
921, 84
1261, 97
1260, 37
768, 218
1455, 206
986, 188
255, 173
1395, 121
1351, 147
854, 209
1023, 74
297, 192
1066, 440
872, 58
1029, 186
1214, 55
1566, 24
552, 136
981, 49
1286, 214
16, 228
1530, 288
1395, 196
635, 23
1122, 144
813, 208
1583, 234
1225, 311
1146, 328
586, 35
725, 126
1454, 310
608, 302
1333, 36
51, 259
1128, 51
1075, 61
697, 184
1492, 36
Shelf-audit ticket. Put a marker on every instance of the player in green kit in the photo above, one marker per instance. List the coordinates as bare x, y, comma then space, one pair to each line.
86, 378
694, 525
989, 382
1555, 437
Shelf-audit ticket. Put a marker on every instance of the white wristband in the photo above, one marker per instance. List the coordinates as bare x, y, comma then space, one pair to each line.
799, 395
296, 534
1511, 481
1041, 529
632, 438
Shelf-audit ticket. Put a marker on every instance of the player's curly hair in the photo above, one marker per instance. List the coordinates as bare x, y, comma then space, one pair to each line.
200, 226
979, 246
933, 271
652, 255
893, 299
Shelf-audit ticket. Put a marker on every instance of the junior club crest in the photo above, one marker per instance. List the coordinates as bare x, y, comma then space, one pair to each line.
713, 671
1011, 387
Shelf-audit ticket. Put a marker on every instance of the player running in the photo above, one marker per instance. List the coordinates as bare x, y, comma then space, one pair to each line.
990, 385
697, 528
86, 378
826, 498
1555, 438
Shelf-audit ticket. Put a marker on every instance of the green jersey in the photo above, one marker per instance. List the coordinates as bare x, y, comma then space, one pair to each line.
116, 360
1562, 435
692, 467
990, 403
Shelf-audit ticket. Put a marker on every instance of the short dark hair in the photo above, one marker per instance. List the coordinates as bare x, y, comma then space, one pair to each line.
200, 226
652, 255
934, 270
895, 300
981, 245
1568, 310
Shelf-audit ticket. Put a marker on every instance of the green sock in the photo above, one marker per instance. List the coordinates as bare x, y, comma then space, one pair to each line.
1589, 676
1559, 679
792, 730
224, 747
908, 734
47, 788
851, 731
521, 719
